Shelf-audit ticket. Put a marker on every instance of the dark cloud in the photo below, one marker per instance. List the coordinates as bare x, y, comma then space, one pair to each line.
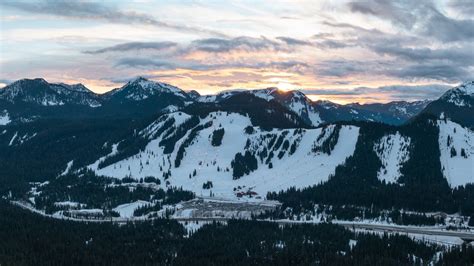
341, 68
211, 45
464, 7
463, 55
420, 92
333, 44
448, 29
97, 11
436, 71
323, 35
411, 57
219, 45
148, 63
293, 41
130, 46
144, 63
349, 26
396, 92
424, 14
398, 12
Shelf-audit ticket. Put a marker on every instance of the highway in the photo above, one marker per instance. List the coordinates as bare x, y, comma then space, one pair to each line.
466, 236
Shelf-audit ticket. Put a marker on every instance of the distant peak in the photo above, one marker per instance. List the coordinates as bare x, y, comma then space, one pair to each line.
40, 80
141, 88
138, 79
193, 94
141, 78
467, 87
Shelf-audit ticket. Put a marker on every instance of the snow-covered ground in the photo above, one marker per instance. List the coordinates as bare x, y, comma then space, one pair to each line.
126, 210
68, 168
4, 118
68, 204
456, 144
301, 169
193, 226
13, 139
393, 151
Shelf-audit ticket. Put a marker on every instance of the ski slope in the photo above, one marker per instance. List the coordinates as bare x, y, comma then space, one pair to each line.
392, 151
457, 166
302, 168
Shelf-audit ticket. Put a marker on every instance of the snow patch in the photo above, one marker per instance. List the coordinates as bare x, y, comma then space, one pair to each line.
126, 210
300, 169
392, 150
4, 118
13, 139
456, 145
68, 168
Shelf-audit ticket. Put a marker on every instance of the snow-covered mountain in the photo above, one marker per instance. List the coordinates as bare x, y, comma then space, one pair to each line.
456, 144
456, 104
240, 143
142, 88
32, 99
316, 112
142, 97
194, 95
236, 156
462, 95
396, 112
39, 91
231, 154
295, 101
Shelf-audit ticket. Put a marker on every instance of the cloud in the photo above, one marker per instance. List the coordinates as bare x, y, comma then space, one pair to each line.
333, 44
419, 16
393, 93
462, 55
130, 46
144, 63
464, 7
293, 41
97, 11
6, 81
436, 71
219, 45
398, 12
342, 68
147, 63
211, 45
409, 57
447, 29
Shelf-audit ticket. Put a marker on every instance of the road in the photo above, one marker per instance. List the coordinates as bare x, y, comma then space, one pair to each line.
466, 236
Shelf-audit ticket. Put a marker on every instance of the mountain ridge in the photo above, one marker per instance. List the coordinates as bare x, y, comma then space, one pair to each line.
141, 96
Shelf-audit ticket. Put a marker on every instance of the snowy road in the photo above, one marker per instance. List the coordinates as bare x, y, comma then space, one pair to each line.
466, 236
432, 231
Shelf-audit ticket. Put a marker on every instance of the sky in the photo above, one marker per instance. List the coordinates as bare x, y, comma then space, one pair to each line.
343, 51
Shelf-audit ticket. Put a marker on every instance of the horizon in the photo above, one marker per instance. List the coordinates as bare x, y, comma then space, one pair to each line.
344, 52
239, 89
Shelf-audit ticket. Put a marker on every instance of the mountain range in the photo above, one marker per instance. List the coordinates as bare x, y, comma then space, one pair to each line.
237, 142
28, 99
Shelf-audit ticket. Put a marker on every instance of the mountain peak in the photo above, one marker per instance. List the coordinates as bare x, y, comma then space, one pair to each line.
467, 87
461, 95
39, 91
138, 80
194, 94
142, 88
